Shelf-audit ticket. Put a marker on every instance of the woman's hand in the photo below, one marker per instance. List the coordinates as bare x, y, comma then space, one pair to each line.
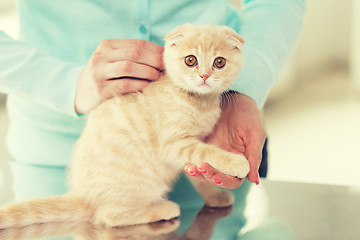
117, 66
239, 130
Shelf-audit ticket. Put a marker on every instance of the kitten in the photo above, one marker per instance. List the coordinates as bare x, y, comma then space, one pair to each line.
135, 145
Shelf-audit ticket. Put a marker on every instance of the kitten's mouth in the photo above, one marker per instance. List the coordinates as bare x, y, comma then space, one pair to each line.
201, 87
204, 84
204, 88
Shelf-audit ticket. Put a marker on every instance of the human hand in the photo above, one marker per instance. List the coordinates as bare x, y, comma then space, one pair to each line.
117, 66
239, 130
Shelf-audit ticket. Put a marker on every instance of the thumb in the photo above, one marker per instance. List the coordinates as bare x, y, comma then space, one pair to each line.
253, 153
253, 174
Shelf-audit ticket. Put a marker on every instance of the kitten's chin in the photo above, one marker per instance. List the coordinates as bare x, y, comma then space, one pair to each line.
204, 89
208, 88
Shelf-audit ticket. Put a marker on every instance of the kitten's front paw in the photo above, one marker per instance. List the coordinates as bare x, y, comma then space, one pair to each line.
235, 165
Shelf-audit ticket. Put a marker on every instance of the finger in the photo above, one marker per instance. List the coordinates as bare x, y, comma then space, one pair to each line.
137, 55
213, 176
122, 86
131, 43
253, 174
192, 171
208, 172
254, 155
130, 69
226, 181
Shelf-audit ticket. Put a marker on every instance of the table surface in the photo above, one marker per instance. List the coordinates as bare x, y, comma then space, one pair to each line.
272, 210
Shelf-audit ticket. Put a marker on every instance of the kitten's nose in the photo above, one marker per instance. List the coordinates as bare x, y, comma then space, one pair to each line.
204, 77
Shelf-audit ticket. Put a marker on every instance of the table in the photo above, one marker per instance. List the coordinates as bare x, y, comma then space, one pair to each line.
272, 210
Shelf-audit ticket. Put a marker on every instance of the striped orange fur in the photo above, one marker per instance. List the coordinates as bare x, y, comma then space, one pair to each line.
134, 146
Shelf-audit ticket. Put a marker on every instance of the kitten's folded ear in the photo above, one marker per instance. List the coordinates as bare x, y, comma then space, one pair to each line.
235, 38
176, 35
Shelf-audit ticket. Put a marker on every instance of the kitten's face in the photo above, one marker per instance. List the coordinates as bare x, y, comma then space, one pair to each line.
203, 59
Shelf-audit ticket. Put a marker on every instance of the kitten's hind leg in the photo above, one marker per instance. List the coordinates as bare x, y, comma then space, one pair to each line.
212, 195
153, 212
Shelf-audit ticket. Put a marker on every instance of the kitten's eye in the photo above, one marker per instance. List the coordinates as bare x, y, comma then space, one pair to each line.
219, 62
191, 61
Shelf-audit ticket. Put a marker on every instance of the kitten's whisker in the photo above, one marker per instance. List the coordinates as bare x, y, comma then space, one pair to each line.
228, 98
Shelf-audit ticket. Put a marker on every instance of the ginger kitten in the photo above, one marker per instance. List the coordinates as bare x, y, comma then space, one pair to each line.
134, 146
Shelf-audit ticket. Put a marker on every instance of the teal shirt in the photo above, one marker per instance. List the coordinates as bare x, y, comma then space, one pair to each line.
39, 70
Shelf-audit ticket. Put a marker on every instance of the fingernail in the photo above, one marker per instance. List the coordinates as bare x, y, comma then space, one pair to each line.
202, 170
257, 179
216, 181
192, 173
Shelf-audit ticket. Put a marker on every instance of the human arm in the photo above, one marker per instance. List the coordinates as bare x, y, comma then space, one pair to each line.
31, 73
270, 30
71, 88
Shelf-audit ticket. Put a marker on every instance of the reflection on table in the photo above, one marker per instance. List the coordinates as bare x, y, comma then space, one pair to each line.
273, 210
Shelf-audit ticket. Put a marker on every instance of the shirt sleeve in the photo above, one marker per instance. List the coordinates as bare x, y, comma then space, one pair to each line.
270, 29
29, 72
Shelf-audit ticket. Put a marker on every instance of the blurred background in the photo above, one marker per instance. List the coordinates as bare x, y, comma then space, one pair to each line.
313, 113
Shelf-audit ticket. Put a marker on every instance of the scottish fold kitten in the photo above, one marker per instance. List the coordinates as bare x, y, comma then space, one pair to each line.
134, 146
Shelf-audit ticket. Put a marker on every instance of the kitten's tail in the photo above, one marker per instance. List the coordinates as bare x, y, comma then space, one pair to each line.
44, 210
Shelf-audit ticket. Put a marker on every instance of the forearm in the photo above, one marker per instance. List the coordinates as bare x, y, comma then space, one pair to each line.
270, 29
28, 72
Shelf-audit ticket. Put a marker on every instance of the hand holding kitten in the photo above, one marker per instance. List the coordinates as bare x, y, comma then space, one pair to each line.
117, 66
239, 130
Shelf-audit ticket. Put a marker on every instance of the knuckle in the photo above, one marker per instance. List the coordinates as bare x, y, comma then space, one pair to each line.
136, 53
126, 66
96, 58
140, 43
104, 44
